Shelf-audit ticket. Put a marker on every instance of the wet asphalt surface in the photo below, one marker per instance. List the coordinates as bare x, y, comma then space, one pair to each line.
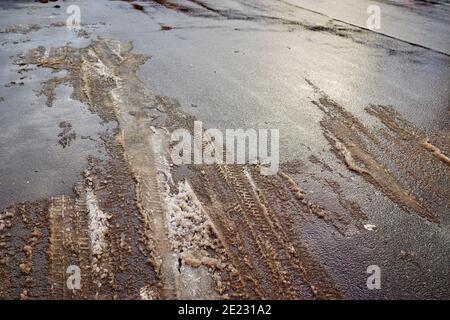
257, 64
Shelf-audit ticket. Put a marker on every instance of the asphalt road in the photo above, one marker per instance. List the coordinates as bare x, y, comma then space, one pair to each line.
363, 116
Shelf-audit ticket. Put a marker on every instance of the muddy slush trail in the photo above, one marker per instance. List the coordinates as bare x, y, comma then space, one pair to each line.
227, 242
138, 226
139, 229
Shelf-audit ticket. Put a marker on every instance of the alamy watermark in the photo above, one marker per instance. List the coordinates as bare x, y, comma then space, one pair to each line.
374, 20
73, 281
73, 22
374, 280
233, 146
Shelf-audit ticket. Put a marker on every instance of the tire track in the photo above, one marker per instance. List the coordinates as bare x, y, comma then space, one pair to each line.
363, 152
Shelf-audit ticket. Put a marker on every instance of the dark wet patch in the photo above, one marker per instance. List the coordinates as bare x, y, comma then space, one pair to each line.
137, 7
82, 33
67, 135
48, 89
165, 27
14, 83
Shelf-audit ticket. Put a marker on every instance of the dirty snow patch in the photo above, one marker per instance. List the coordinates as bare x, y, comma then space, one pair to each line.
98, 223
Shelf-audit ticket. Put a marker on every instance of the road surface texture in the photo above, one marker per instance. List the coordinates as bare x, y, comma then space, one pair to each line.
87, 184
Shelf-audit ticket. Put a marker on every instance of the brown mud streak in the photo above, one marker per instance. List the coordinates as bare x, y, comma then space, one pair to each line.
354, 144
135, 138
69, 245
406, 130
103, 76
345, 216
23, 239
409, 147
248, 219
114, 61
38, 241
15, 269
257, 234
6, 221
92, 86
114, 187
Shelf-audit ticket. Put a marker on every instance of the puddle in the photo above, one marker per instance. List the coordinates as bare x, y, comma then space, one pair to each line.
43, 150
